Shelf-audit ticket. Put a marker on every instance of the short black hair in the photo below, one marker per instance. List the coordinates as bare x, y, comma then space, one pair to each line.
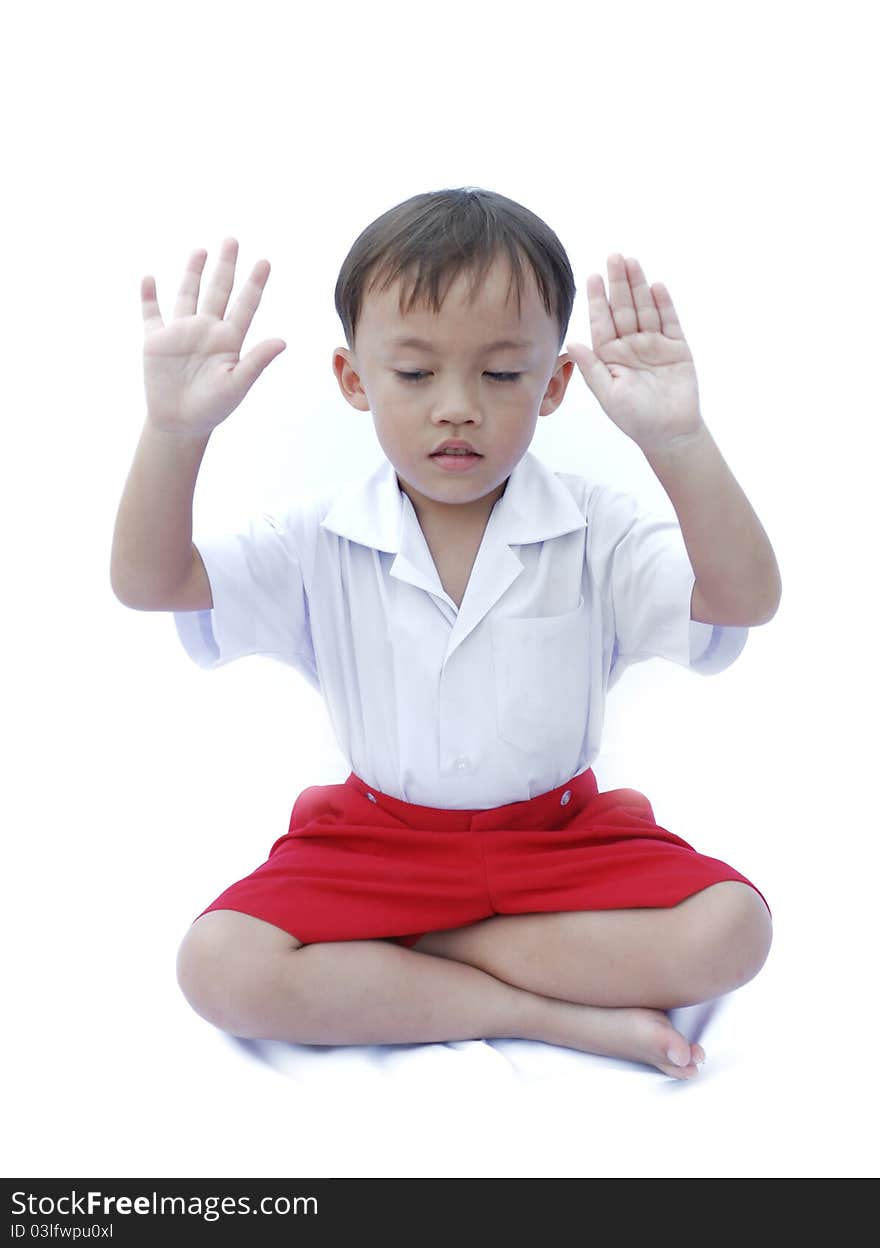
432, 237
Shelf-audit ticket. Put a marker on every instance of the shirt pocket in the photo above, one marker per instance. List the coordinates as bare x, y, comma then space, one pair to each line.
542, 679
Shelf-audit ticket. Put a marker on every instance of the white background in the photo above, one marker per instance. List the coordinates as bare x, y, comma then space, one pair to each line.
732, 149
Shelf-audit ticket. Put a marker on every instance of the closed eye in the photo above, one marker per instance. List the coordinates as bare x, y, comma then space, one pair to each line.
495, 376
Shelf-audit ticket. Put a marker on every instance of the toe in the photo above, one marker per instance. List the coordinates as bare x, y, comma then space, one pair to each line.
678, 1069
679, 1057
678, 1052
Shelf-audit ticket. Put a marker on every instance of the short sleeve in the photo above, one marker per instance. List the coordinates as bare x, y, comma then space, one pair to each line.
651, 582
259, 596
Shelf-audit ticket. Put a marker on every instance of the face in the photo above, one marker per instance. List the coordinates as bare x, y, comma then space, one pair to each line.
460, 386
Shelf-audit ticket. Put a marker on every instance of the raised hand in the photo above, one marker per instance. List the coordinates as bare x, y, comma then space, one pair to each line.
193, 374
640, 369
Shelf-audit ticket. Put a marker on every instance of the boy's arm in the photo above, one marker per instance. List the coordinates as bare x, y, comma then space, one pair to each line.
642, 372
737, 576
193, 379
154, 565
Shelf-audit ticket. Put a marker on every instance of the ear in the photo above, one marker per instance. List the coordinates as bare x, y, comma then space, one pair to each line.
562, 373
557, 385
344, 365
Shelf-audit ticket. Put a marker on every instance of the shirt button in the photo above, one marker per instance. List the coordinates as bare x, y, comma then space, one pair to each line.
371, 796
566, 798
463, 763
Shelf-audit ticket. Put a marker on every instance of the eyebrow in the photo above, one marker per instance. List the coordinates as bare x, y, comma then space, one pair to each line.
489, 346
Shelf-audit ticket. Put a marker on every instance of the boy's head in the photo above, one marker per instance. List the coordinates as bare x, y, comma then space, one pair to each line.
460, 270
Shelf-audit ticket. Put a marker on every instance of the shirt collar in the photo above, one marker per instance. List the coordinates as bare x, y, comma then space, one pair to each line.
534, 507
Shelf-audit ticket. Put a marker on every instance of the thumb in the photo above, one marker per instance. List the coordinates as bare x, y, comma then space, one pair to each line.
249, 367
594, 372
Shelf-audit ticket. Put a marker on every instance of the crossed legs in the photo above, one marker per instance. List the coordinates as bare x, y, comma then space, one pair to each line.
709, 944
598, 981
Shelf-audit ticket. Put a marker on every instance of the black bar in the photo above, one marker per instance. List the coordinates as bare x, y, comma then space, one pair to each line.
336, 1211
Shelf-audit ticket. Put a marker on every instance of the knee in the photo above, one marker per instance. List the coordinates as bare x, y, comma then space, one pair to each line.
222, 976
203, 972
731, 928
750, 931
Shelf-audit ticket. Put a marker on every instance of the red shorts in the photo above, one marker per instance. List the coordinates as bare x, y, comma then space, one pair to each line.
359, 865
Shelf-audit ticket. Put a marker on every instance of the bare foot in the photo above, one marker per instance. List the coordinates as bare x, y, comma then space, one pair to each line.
633, 1033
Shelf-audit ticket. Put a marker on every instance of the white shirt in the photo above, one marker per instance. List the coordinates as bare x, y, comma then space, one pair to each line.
495, 702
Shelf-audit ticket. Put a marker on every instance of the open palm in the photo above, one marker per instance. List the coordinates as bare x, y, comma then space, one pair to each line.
640, 368
194, 374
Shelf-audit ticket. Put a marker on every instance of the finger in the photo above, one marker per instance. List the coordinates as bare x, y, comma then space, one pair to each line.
594, 372
668, 316
217, 294
150, 305
249, 367
601, 324
622, 306
647, 316
188, 292
249, 298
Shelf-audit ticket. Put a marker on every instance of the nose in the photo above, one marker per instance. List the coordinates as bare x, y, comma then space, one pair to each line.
455, 403
451, 411
447, 418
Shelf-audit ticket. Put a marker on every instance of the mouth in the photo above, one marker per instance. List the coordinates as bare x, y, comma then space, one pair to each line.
455, 461
455, 446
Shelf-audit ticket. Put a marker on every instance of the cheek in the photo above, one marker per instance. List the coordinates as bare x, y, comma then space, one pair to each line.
395, 423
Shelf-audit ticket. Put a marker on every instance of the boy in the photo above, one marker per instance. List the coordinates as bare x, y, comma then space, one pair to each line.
463, 612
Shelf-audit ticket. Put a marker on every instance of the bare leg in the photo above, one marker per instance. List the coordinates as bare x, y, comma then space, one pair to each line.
705, 946
252, 979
